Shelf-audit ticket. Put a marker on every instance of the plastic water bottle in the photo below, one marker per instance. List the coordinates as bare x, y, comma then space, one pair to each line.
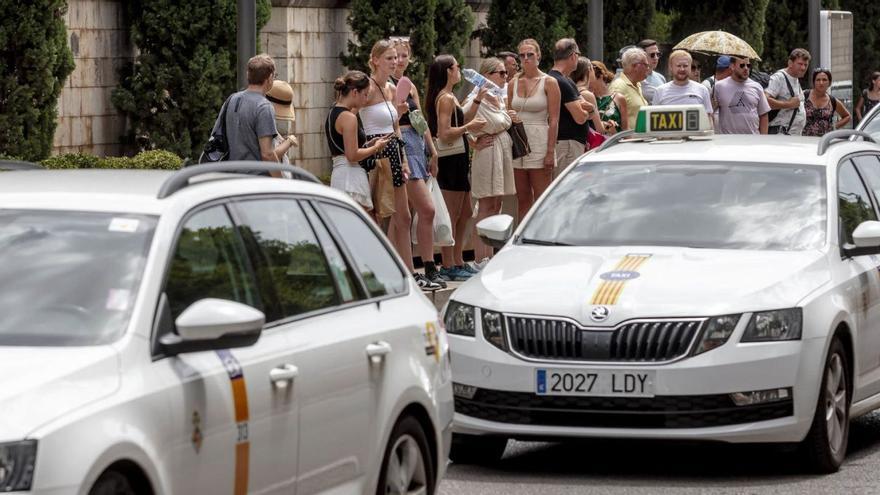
479, 81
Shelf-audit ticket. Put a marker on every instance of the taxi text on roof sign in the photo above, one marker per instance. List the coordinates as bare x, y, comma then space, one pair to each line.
673, 121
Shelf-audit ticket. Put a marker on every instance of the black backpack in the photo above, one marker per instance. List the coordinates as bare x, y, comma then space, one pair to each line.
762, 78
217, 147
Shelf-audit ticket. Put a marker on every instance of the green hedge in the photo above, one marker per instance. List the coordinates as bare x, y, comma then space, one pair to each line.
147, 160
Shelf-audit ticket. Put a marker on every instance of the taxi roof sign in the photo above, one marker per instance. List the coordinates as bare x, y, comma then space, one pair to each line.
673, 121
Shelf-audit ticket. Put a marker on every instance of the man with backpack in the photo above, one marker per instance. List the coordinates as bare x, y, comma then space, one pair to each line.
786, 97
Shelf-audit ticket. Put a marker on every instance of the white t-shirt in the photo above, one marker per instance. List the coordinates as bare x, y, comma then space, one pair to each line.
779, 90
740, 105
691, 93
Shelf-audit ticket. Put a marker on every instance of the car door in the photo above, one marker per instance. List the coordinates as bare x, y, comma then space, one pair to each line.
871, 124
862, 286
868, 166
328, 325
237, 426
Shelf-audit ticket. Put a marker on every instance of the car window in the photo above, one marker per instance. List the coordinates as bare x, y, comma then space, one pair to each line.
291, 255
869, 169
345, 280
381, 274
209, 261
852, 198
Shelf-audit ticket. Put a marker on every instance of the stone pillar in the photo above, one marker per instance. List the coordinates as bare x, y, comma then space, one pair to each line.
87, 120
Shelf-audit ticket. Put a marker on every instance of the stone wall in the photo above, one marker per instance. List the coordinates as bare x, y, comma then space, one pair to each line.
87, 120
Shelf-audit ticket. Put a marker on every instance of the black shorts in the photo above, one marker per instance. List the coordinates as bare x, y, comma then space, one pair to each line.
453, 172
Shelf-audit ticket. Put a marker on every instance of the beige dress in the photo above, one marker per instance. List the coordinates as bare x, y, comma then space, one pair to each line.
532, 110
492, 167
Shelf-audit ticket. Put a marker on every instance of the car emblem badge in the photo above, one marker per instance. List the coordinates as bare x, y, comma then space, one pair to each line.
599, 313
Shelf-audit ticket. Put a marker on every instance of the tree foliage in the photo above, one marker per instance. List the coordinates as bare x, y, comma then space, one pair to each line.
787, 29
744, 18
866, 41
626, 23
373, 20
185, 69
454, 24
508, 23
35, 60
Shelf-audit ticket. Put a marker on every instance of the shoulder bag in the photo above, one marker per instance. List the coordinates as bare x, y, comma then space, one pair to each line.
444, 148
217, 147
517, 130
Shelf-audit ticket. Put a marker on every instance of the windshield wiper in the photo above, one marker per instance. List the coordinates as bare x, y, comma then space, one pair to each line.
541, 242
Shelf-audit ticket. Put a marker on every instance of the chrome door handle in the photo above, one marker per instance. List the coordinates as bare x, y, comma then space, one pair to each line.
283, 374
377, 351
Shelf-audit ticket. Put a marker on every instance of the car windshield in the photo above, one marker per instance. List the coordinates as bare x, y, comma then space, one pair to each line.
69, 278
700, 205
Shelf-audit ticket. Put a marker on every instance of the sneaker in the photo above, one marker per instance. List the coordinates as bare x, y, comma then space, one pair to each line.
459, 274
479, 265
437, 279
446, 274
424, 283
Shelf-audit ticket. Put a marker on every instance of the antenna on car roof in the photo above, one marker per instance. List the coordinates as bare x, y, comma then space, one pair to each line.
10, 165
840, 134
181, 178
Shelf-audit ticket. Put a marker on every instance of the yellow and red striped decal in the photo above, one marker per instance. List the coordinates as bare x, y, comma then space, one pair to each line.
242, 416
609, 291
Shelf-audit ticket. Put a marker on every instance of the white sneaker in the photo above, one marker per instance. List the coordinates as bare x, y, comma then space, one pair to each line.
478, 265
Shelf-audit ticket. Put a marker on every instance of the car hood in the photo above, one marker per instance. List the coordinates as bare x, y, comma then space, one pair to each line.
641, 282
43, 383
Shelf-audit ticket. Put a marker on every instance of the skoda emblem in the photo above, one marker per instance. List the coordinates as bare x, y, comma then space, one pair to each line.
599, 313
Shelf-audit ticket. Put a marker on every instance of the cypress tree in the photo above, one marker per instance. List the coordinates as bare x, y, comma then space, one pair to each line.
35, 60
454, 24
373, 20
508, 23
185, 69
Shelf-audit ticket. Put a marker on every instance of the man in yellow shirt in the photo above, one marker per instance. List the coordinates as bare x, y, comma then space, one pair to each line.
628, 83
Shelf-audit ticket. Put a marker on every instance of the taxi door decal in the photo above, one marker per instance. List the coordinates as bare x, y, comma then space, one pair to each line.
613, 282
240, 404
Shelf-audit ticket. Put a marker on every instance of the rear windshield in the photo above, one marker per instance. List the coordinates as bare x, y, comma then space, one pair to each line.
69, 278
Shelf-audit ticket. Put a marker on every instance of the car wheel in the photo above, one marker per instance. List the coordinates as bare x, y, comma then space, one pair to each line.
825, 444
407, 468
477, 449
112, 483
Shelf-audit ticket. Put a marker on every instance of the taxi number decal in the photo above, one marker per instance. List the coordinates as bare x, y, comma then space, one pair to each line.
667, 121
612, 285
242, 415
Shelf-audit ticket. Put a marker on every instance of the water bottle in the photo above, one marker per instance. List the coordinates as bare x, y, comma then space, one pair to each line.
479, 81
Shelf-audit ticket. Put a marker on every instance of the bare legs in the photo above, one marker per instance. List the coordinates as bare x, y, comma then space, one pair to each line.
420, 200
459, 205
530, 184
398, 228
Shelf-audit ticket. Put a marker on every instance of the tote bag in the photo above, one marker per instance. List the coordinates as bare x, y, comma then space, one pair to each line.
442, 222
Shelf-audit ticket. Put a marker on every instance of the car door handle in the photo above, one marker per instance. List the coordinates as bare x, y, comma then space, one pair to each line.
377, 351
284, 373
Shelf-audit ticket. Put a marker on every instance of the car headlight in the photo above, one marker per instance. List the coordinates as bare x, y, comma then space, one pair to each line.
493, 328
17, 460
718, 330
781, 324
459, 319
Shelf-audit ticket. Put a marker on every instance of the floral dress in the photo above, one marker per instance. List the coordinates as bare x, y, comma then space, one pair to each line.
818, 119
608, 110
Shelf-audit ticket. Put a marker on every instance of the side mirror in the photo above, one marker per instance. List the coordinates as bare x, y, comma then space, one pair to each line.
495, 230
209, 324
867, 235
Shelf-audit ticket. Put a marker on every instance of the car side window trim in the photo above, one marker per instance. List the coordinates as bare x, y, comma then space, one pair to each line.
848, 160
307, 207
875, 201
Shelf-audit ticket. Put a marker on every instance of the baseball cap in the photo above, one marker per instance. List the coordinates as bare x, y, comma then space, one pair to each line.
723, 62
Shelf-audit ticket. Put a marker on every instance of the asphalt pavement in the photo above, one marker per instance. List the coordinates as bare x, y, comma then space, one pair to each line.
652, 467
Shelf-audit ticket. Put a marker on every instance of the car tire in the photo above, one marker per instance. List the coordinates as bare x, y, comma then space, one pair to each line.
477, 449
112, 483
407, 446
825, 444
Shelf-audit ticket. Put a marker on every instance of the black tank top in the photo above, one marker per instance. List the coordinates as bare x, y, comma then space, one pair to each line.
334, 139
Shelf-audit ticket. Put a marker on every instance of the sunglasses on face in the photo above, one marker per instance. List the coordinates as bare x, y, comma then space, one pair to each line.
526, 55
502, 72
655, 55
744, 65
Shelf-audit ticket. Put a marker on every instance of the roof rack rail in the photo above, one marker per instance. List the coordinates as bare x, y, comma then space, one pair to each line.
833, 136
614, 139
10, 165
181, 179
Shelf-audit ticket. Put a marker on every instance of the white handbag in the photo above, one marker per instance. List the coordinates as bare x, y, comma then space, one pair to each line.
456, 147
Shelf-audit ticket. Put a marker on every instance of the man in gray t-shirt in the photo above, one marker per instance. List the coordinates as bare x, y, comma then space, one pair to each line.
250, 118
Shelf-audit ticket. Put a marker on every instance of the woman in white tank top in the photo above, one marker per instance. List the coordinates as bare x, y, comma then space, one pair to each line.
535, 99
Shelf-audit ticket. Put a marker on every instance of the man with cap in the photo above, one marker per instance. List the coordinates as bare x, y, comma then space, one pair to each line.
722, 70
654, 79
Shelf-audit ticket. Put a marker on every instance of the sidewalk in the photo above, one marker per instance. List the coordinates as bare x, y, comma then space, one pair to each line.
440, 296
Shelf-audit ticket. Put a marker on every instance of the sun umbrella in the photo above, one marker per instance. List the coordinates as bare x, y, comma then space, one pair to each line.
717, 43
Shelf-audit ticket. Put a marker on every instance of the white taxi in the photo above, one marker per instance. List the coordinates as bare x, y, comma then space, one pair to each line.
198, 332
673, 284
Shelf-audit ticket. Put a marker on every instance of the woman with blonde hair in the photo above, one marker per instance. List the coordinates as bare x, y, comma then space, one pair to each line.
450, 124
535, 98
346, 138
492, 166
612, 106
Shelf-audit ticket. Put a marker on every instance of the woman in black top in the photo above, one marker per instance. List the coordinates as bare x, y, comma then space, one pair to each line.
348, 142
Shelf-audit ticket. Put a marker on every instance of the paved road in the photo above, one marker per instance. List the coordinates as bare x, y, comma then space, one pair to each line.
628, 467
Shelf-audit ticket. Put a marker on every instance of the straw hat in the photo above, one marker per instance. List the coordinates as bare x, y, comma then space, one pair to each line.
281, 96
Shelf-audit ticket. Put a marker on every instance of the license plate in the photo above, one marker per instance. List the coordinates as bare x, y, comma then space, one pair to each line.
601, 383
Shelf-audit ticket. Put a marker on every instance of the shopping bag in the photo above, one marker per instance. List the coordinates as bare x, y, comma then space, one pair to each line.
442, 222
382, 188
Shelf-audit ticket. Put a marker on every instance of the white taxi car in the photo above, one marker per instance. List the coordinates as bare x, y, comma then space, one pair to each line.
700, 287
187, 332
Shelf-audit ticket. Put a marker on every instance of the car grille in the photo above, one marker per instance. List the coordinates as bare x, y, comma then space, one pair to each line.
650, 341
682, 411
